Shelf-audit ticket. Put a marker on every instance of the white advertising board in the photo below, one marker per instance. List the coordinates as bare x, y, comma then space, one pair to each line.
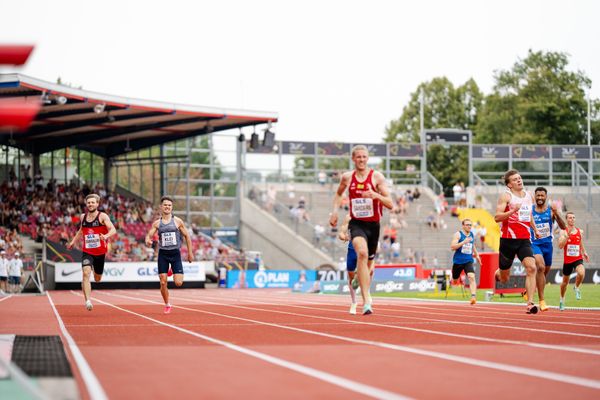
131, 272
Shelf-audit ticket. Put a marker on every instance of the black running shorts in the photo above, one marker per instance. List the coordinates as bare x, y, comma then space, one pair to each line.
509, 248
367, 230
96, 262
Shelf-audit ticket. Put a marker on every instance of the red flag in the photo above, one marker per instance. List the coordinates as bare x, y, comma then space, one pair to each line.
17, 114
14, 54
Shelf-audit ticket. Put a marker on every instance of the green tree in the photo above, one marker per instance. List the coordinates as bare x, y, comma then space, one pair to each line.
445, 106
537, 101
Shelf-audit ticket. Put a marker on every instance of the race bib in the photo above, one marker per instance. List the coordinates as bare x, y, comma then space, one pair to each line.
362, 208
92, 241
168, 239
524, 214
573, 250
467, 248
544, 230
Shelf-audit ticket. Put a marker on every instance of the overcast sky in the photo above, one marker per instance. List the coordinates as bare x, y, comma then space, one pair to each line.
333, 70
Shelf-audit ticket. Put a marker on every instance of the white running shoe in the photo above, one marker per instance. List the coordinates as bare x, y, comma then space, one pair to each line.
89, 305
353, 308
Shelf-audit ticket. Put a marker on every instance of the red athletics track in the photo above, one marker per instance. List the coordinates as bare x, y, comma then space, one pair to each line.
253, 343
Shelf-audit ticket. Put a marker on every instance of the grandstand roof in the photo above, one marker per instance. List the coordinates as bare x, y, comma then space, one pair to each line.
109, 125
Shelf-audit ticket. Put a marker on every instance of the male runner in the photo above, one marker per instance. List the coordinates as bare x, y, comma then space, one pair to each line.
368, 192
571, 240
544, 218
350, 262
514, 210
96, 228
170, 230
464, 247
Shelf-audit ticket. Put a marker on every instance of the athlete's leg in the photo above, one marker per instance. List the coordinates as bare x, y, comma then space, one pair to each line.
540, 276
86, 286
164, 290
563, 286
362, 266
472, 283
530, 280
351, 289
178, 279
578, 280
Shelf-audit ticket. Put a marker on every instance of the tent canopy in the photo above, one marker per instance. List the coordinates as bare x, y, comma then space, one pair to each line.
109, 125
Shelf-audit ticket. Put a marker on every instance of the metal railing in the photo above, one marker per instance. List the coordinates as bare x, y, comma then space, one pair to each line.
586, 189
434, 184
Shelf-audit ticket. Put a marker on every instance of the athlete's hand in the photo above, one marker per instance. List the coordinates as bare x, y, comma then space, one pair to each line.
333, 219
148, 242
516, 208
538, 235
190, 258
553, 207
104, 238
69, 245
369, 194
468, 240
343, 236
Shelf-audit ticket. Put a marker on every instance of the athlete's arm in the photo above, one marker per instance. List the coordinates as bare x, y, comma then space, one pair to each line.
77, 235
337, 198
455, 244
382, 194
562, 240
536, 233
503, 201
105, 219
186, 235
343, 232
151, 232
557, 217
584, 253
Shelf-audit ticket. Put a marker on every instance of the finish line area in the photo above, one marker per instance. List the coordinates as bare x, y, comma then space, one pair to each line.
220, 343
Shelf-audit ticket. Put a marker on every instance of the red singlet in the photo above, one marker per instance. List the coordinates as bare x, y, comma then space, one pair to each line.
572, 250
361, 208
92, 244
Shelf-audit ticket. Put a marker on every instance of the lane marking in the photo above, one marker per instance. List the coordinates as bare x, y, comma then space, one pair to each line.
336, 380
513, 369
92, 384
388, 325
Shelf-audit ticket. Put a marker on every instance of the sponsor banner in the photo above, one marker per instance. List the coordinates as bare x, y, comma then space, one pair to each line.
592, 275
333, 149
447, 136
131, 272
331, 275
570, 152
298, 148
391, 286
375, 150
268, 279
405, 150
530, 152
403, 274
491, 152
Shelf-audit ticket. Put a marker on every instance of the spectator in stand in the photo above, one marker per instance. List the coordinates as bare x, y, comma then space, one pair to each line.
322, 178
456, 190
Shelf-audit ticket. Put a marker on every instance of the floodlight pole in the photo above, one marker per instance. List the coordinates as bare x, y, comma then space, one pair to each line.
589, 123
423, 140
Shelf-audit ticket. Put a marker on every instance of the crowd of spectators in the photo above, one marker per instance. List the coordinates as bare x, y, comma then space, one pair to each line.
51, 210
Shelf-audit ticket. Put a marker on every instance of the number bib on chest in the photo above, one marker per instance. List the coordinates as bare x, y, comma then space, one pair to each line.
362, 208
467, 248
168, 239
92, 241
524, 214
543, 229
573, 250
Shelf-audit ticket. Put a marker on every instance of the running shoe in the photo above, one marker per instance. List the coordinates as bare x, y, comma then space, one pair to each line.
169, 272
367, 309
543, 305
89, 305
353, 308
473, 300
561, 306
168, 308
525, 297
532, 308
355, 283
577, 293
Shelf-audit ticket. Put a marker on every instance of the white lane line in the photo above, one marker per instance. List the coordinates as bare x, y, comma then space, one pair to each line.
533, 320
336, 380
7, 297
94, 388
387, 325
554, 376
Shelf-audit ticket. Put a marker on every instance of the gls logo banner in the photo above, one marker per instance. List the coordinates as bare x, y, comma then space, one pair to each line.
130, 272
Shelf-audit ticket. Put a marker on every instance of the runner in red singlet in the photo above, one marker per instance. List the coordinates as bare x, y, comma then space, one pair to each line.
514, 211
95, 228
368, 192
571, 240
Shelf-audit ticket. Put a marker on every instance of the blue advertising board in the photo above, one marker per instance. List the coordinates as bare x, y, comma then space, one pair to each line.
395, 274
268, 279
